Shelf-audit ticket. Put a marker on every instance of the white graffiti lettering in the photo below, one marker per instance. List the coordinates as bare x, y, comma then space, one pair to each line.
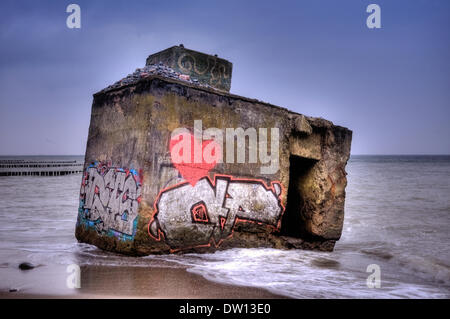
189, 216
109, 199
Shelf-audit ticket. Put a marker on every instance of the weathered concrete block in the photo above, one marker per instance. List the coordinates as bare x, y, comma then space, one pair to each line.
301, 125
136, 199
207, 69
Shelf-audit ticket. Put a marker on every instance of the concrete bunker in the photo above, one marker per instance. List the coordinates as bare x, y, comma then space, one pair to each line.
135, 199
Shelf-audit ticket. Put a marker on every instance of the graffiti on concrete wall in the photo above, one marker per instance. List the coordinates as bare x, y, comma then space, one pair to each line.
206, 213
216, 73
109, 200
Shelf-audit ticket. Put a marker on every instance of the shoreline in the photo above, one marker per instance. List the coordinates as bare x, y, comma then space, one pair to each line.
99, 282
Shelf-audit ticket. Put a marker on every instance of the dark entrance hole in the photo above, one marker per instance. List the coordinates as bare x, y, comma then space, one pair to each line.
292, 223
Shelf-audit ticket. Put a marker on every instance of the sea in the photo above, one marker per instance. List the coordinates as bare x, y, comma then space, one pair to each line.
397, 226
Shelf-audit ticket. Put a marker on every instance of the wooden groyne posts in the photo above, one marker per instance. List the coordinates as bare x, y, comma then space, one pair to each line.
39, 168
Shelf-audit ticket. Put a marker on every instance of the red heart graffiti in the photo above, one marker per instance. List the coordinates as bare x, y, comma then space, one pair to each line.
191, 171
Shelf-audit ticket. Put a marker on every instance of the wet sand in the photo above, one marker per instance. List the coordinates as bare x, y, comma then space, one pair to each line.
120, 282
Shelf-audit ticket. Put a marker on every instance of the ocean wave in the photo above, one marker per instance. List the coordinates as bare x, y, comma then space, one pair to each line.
298, 274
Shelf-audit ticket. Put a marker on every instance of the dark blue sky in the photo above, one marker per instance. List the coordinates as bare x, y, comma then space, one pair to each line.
391, 86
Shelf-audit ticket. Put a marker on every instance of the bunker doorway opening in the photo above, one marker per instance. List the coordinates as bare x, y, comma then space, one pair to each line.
293, 221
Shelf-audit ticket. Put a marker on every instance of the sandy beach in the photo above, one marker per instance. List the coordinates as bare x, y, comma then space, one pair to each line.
120, 282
